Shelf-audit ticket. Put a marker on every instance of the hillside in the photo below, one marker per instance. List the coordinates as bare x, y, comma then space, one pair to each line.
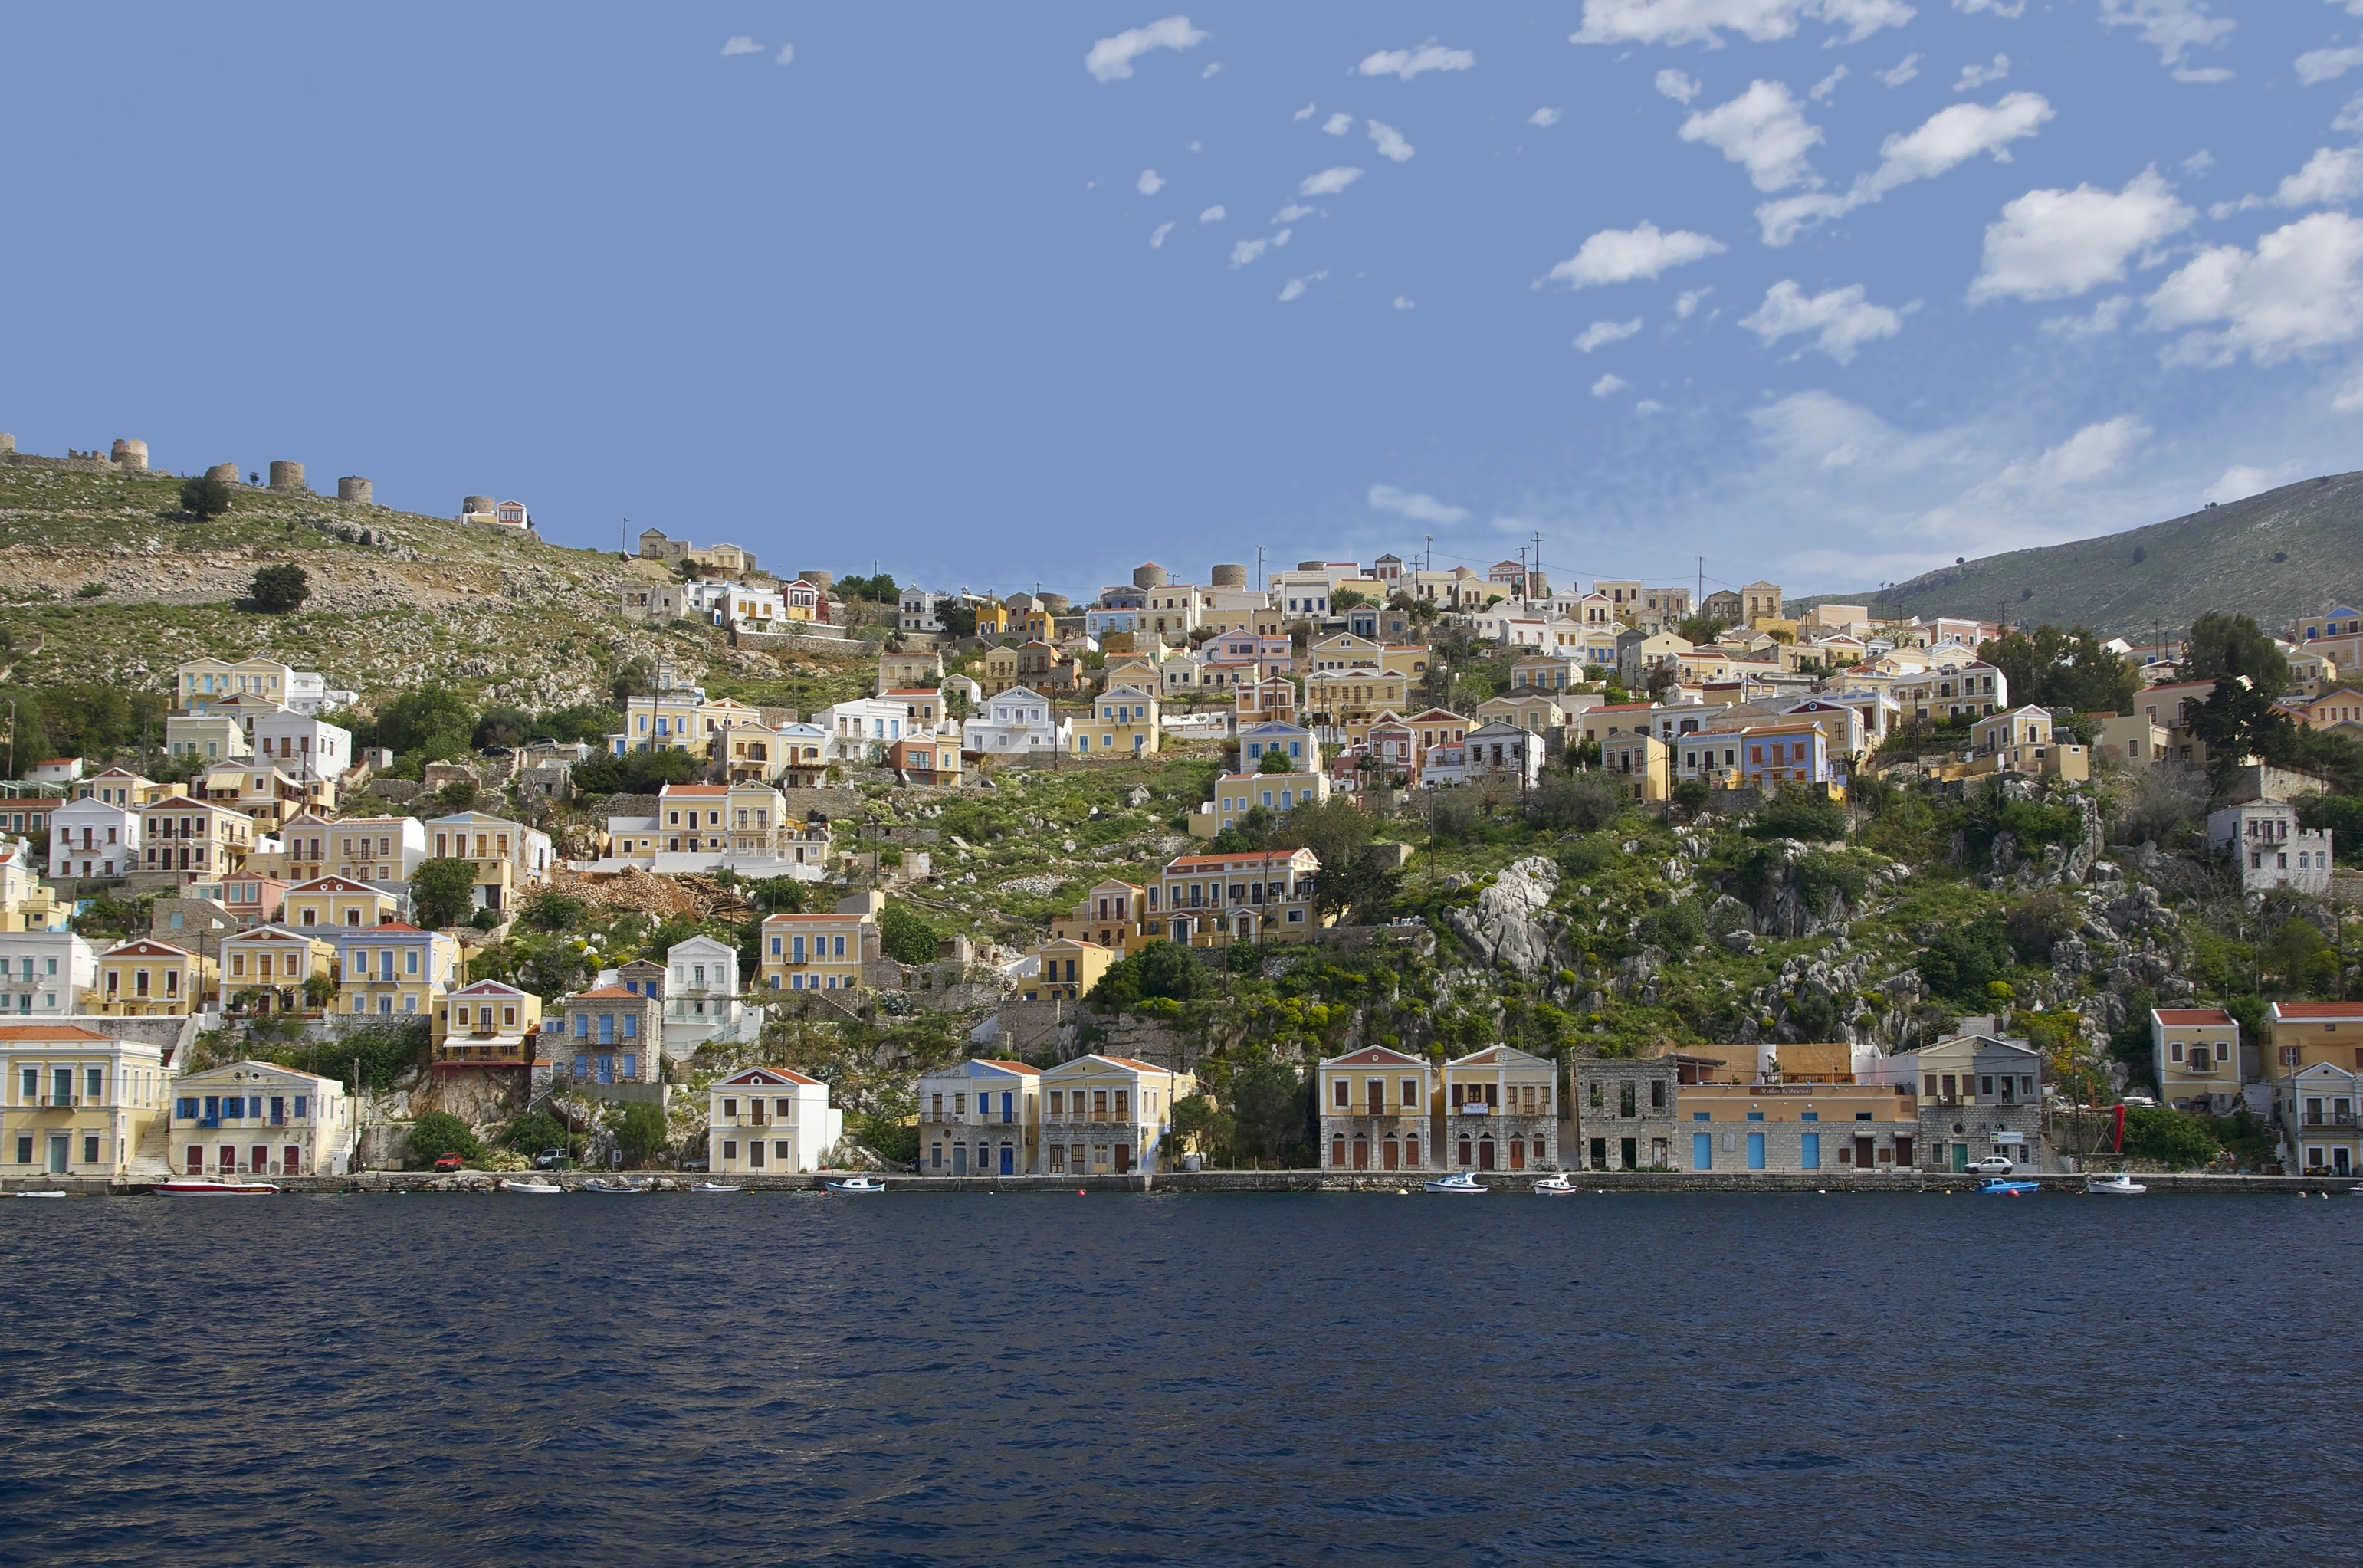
501, 616
2286, 552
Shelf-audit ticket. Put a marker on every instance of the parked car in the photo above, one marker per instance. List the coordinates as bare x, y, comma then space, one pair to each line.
550, 1160
447, 1163
1992, 1164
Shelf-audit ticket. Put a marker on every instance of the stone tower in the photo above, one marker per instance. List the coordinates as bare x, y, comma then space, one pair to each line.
352, 489
1228, 576
225, 472
287, 476
1149, 576
130, 455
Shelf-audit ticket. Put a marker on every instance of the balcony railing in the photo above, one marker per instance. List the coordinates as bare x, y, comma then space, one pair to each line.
2329, 1119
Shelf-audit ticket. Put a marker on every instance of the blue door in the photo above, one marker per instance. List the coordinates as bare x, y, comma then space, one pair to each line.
1008, 1160
1755, 1151
1809, 1151
1702, 1151
1008, 1100
960, 1159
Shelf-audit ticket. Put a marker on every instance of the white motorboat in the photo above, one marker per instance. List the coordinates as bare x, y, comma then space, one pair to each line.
857, 1184
1462, 1181
203, 1188
2117, 1185
714, 1187
1556, 1185
618, 1184
528, 1185
53, 1194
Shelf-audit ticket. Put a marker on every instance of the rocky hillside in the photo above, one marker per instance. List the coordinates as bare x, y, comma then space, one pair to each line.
2286, 552
104, 578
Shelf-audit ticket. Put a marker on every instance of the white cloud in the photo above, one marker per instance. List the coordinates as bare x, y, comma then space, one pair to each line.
1946, 139
1293, 211
2199, 164
1607, 385
1648, 405
1195, 145
2350, 117
1391, 143
1543, 117
1976, 76
1110, 60
1306, 112
2241, 482
2327, 65
1210, 70
2350, 397
2012, 9
1416, 504
1246, 250
1701, 21
1297, 286
787, 55
1903, 70
1680, 88
1339, 123
1409, 62
1157, 235
2101, 320
1763, 129
2051, 245
1621, 255
2302, 288
2330, 178
1842, 320
1212, 215
1688, 301
2092, 453
741, 44
1404, 301
2174, 27
1826, 85
1281, 238
1604, 332
1149, 183
1328, 183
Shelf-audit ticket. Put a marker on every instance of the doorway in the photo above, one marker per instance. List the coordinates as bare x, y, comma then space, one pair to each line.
59, 1148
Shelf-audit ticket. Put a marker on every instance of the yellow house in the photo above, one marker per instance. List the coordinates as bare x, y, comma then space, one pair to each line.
509, 857
996, 620
1375, 1108
1406, 659
1501, 1111
1110, 916
815, 952
1123, 722
668, 721
1108, 1116
199, 678
487, 1023
1068, 969
263, 970
304, 847
78, 1102
336, 901
2307, 1034
1530, 710
200, 840
1000, 670
2195, 1055
1354, 700
395, 968
1640, 765
259, 1118
265, 791
147, 978
210, 736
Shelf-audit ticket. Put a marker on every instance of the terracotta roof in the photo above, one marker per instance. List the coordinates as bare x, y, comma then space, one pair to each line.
1267, 857
769, 919
49, 1031
761, 1075
145, 947
1009, 1066
2300, 1011
603, 992
382, 927
335, 885
694, 789
2205, 1015
1129, 1061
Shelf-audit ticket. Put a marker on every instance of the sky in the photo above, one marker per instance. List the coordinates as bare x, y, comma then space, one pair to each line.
1828, 292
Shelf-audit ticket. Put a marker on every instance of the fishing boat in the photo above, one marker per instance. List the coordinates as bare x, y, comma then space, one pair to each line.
854, 1184
620, 1184
1555, 1184
714, 1187
2117, 1185
528, 1185
49, 1194
1462, 1181
203, 1189
2002, 1187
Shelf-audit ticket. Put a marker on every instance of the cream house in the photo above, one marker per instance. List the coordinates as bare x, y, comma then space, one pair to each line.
259, 1118
2195, 1053
79, 1102
1376, 1105
982, 1116
1501, 1111
265, 969
770, 1119
1108, 1116
147, 978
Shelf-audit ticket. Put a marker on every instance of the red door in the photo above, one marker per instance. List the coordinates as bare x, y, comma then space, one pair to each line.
1361, 1153
196, 1160
1485, 1153
1123, 1158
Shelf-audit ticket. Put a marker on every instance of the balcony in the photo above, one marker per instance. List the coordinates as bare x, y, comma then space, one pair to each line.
2329, 1119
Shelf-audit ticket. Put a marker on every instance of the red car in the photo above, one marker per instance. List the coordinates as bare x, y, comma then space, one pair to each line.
447, 1163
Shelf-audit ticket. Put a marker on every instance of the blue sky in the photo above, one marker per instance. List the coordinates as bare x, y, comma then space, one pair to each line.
1826, 290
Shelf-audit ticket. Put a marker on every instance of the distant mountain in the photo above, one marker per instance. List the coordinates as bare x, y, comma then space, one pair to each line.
2277, 555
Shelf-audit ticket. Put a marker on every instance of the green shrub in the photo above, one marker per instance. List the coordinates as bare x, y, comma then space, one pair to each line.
443, 892
639, 1133
904, 936
1582, 856
204, 497
438, 1132
1816, 876
1800, 813
2174, 1140
1584, 801
1964, 959
533, 1132
279, 589
1675, 927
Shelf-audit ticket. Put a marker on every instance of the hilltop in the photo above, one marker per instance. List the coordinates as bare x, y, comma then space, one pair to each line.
501, 616
2277, 555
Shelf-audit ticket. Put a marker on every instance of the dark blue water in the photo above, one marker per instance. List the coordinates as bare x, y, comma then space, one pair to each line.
923, 1379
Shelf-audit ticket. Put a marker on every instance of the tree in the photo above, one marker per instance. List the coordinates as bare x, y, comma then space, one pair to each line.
550, 910
443, 892
2174, 1140
1331, 829
428, 721
1964, 960
533, 1132
1801, 814
318, 990
1701, 629
2063, 670
279, 589
503, 724
1200, 1124
1276, 761
639, 1133
204, 498
2224, 644
438, 1132
1269, 1103
903, 935
957, 618
2239, 719
778, 895
1346, 599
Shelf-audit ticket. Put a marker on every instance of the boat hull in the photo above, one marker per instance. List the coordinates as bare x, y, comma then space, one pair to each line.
214, 1189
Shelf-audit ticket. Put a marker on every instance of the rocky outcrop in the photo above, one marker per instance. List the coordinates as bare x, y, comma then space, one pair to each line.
1509, 924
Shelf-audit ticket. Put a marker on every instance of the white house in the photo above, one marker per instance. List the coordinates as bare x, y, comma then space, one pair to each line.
770, 1119
2271, 849
259, 1118
43, 973
1017, 719
858, 726
702, 999
93, 838
304, 746
918, 612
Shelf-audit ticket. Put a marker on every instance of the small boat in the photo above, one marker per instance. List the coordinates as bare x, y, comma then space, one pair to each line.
622, 1185
526, 1184
1555, 1184
202, 1189
1463, 1181
2001, 1187
857, 1184
2117, 1185
53, 1194
714, 1187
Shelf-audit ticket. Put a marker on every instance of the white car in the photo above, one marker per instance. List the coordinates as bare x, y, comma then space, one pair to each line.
1992, 1164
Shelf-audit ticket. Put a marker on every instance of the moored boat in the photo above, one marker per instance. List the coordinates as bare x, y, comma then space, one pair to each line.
527, 1185
1461, 1181
52, 1193
200, 1187
618, 1184
2002, 1187
2117, 1185
1556, 1185
856, 1183
714, 1187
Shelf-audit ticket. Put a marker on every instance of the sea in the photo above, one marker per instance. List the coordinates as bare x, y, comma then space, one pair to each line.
1135, 1378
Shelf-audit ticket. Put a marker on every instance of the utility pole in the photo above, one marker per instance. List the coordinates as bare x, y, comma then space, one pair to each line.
1536, 571
1698, 605
1259, 569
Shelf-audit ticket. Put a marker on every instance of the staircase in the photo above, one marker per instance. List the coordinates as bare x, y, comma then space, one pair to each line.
152, 1161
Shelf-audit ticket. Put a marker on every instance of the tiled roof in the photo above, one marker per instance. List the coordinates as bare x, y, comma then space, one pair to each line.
2318, 1010
768, 1075
49, 1031
2203, 1015
1008, 1067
